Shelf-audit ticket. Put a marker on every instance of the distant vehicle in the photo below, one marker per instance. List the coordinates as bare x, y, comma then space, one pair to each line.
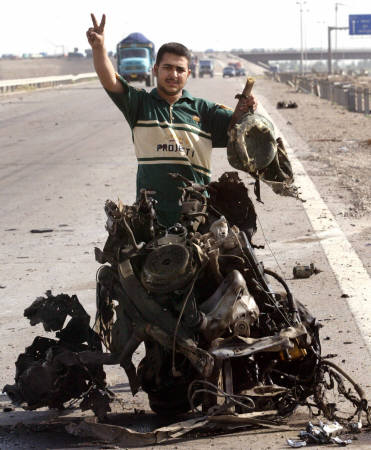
136, 58
236, 65
193, 66
229, 71
9, 56
193, 69
240, 72
206, 67
75, 54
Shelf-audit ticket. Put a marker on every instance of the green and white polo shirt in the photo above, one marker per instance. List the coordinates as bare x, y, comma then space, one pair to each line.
171, 138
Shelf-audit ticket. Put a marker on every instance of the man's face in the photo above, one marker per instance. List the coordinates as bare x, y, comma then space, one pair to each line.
172, 74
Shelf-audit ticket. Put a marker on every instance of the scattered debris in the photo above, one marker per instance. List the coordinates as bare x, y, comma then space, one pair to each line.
8, 409
320, 435
326, 140
127, 437
299, 271
217, 336
344, 296
286, 105
52, 372
46, 230
2, 286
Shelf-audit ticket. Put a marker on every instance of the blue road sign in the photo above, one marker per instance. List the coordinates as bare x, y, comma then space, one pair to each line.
360, 24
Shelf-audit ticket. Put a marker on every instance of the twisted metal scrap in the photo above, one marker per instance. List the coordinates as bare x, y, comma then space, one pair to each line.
338, 376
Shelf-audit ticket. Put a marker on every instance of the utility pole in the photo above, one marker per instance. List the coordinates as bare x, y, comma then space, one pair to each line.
329, 54
337, 4
301, 3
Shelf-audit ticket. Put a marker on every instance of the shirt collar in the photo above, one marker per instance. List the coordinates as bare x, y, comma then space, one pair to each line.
185, 95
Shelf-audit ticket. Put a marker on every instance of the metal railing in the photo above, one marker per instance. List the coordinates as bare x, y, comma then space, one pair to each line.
43, 82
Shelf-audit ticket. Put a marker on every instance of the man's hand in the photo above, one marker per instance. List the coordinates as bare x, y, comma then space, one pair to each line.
244, 104
95, 34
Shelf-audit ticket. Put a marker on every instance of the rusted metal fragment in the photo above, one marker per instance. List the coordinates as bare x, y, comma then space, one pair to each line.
127, 437
237, 346
300, 271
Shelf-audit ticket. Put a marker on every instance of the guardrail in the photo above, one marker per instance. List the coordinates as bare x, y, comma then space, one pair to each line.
43, 82
355, 98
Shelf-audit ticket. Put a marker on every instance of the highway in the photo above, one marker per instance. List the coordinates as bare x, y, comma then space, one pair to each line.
64, 151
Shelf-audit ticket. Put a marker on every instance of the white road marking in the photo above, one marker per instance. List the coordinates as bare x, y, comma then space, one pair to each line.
349, 271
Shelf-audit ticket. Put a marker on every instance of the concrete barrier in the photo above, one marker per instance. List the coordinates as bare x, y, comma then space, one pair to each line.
43, 82
352, 97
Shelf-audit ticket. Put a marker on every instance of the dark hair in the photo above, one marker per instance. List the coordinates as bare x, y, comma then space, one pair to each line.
175, 48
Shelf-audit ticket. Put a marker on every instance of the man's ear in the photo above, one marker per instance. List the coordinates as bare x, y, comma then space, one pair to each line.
155, 70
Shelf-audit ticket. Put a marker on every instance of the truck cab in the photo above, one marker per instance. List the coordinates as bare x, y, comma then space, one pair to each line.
135, 58
206, 67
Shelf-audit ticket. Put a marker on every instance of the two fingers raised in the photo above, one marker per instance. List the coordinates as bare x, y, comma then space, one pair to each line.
98, 28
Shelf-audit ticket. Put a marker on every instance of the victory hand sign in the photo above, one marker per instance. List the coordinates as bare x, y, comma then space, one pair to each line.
95, 34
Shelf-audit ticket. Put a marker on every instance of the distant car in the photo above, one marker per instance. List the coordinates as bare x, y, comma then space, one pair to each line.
240, 72
229, 71
75, 55
205, 67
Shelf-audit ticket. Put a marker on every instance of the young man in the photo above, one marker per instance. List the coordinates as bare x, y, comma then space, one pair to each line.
172, 131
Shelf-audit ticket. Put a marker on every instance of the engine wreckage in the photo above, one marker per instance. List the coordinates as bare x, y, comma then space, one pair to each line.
212, 325
219, 340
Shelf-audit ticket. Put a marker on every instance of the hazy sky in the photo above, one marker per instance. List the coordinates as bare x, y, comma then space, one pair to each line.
31, 26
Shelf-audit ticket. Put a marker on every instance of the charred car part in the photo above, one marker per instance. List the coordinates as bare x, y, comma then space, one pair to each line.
286, 105
254, 148
52, 372
196, 295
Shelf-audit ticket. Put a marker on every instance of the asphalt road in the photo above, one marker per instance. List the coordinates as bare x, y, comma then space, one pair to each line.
63, 153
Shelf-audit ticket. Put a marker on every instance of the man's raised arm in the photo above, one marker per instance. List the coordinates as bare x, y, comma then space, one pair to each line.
103, 65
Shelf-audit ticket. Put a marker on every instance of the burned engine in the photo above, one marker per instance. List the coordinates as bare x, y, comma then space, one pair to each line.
204, 307
201, 302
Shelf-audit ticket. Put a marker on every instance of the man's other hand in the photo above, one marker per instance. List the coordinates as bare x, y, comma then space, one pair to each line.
95, 34
245, 103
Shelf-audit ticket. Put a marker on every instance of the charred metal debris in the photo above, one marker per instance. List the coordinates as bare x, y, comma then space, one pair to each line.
287, 105
219, 340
